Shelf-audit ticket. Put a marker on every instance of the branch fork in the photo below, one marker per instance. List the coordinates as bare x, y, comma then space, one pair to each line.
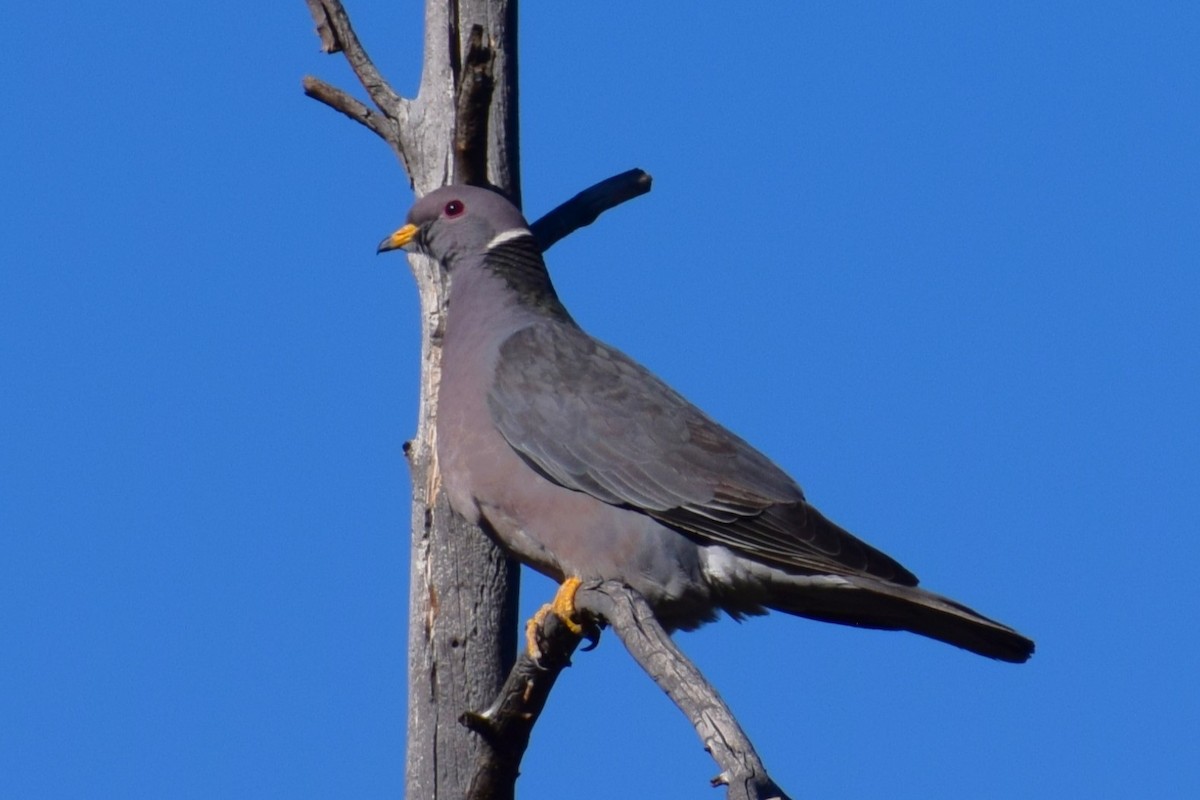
508, 722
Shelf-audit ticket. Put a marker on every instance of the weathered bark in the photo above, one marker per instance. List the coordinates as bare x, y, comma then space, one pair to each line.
463, 590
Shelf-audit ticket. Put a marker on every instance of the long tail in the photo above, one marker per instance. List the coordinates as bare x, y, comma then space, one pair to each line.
870, 603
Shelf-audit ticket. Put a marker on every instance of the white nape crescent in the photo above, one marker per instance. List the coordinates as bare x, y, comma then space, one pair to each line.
508, 236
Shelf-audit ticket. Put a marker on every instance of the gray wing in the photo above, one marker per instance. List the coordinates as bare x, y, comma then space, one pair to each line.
591, 419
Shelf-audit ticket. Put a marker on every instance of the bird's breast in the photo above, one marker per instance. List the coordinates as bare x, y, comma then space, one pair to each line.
556, 530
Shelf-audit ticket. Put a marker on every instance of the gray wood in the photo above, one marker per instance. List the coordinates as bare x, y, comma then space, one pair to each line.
462, 604
509, 721
462, 588
742, 771
462, 601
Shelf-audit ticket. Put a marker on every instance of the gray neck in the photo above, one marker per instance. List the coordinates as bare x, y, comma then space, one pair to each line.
519, 263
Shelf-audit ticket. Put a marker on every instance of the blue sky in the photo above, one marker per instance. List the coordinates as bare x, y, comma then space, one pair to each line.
939, 260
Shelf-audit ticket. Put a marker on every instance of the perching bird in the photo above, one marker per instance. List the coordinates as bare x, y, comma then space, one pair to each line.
583, 464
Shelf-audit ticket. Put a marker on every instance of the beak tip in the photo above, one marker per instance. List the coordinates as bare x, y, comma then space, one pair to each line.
398, 240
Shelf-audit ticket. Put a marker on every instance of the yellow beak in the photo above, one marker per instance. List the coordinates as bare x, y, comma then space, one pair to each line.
399, 239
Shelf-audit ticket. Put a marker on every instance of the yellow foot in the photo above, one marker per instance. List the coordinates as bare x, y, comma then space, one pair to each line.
563, 607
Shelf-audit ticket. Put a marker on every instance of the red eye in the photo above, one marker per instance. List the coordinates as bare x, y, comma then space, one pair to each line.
454, 208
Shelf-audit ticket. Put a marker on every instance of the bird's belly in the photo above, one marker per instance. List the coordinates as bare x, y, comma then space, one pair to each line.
562, 532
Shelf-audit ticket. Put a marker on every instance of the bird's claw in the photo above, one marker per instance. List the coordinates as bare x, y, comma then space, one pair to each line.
563, 607
563, 604
592, 634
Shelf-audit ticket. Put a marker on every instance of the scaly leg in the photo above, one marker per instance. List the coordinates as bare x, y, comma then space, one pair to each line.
563, 607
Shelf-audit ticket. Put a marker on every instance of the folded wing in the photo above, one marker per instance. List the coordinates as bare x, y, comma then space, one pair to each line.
591, 419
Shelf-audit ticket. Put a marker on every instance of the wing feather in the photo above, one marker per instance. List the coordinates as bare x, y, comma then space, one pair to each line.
591, 419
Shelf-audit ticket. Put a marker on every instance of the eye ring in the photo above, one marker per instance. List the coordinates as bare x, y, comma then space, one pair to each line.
454, 208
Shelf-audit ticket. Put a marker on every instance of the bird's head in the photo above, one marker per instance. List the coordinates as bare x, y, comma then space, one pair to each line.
456, 222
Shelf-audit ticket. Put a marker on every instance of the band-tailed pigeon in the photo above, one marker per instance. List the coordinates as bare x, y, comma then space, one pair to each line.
583, 464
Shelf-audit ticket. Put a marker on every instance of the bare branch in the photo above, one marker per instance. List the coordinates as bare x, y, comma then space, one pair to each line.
352, 107
632, 620
329, 40
337, 35
583, 209
507, 723
472, 109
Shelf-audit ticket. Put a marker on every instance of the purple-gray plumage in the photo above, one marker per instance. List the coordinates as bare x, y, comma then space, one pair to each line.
582, 463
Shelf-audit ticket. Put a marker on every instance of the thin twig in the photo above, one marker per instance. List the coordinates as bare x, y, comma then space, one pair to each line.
352, 107
337, 35
583, 209
329, 40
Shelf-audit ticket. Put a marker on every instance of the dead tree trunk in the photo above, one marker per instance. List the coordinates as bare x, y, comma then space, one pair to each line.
462, 128
463, 590
462, 603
